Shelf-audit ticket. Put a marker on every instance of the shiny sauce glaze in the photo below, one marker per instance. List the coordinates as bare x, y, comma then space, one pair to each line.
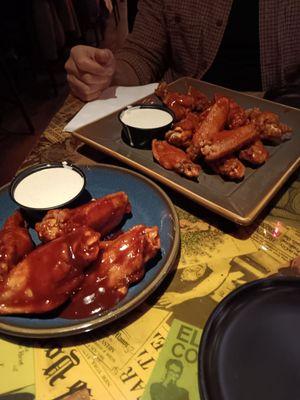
120, 263
15, 243
102, 214
96, 294
47, 276
94, 297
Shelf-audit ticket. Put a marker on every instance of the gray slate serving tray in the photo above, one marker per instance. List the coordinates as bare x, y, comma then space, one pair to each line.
239, 202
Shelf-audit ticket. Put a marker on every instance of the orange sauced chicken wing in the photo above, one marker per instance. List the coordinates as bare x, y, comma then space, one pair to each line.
237, 116
255, 154
182, 132
103, 215
201, 101
180, 104
175, 159
47, 276
15, 243
269, 126
121, 263
227, 142
230, 167
213, 122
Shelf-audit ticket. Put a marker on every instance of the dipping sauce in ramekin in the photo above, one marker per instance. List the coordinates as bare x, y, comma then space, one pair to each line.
47, 186
143, 123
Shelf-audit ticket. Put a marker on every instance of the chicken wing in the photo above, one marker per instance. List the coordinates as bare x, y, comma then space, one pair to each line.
237, 116
269, 126
213, 122
201, 101
182, 132
218, 132
103, 215
175, 159
121, 263
226, 142
47, 276
255, 154
15, 243
230, 167
180, 104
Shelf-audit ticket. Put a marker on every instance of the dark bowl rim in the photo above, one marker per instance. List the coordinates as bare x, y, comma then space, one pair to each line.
38, 167
216, 314
154, 106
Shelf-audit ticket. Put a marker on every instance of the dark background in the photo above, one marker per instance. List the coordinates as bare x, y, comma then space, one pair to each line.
33, 52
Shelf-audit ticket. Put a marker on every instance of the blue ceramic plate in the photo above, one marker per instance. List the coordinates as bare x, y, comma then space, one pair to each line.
150, 206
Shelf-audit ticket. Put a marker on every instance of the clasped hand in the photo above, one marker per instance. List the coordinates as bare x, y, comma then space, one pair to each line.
89, 71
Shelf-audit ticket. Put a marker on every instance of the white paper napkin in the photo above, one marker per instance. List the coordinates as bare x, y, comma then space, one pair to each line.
112, 99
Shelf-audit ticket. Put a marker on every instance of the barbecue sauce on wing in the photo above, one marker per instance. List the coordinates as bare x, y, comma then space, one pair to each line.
45, 278
93, 298
121, 263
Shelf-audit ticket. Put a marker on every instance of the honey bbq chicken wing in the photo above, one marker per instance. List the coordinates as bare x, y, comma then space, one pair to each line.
103, 215
124, 258
121, 263
47, 276
237, 115
15, 243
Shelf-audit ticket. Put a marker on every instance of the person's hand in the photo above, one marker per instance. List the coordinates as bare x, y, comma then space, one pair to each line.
89, 71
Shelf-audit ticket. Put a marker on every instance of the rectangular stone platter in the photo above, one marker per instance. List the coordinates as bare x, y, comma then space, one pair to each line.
240, 202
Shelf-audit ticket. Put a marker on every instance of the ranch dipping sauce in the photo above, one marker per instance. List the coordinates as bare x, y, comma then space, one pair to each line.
49, 187
145, 118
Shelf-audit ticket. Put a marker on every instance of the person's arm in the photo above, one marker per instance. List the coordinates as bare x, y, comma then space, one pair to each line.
142, 59
124, 75
144, 56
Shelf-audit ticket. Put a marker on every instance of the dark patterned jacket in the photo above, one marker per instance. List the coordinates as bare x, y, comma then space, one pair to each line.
174, 38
